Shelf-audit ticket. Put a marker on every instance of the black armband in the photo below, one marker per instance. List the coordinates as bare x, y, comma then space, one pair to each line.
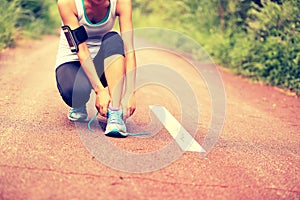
75, 37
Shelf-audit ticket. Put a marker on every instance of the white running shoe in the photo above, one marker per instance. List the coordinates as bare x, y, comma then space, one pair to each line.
78, 114
115, 125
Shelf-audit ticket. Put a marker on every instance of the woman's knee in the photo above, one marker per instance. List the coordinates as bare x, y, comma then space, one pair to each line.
73, 85
112, 44
112, 35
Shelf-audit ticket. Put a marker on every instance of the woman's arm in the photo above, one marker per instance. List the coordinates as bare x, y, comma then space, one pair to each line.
68, 13
124, 11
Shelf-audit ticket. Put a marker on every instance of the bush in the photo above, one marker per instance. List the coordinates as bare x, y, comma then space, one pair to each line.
258, 39
26, 18
10, 11
275, 53
37, 18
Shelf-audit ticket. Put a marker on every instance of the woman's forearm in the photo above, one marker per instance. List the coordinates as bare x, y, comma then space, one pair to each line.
89, 67
130, 63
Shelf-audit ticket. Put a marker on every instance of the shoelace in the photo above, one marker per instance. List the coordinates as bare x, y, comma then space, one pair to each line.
114, 117
117, 120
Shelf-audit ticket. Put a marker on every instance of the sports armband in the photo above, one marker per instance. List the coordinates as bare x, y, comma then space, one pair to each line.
75, 37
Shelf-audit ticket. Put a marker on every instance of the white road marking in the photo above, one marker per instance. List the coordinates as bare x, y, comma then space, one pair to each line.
181, 136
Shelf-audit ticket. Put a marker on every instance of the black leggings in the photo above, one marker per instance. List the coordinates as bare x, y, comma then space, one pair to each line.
72, 83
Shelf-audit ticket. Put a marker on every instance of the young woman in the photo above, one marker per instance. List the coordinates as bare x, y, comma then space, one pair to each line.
92, 57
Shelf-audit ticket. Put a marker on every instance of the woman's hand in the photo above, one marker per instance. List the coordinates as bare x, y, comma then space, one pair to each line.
102, 101
128, 105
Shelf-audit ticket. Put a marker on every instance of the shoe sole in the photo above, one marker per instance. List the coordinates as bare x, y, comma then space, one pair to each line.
116, 134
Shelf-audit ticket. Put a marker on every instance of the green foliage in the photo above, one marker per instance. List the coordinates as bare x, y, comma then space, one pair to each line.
10, 11
26, 18
37, 18
258, 39
275, 51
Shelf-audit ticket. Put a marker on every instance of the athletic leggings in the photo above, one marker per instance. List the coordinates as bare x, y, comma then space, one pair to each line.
73, 84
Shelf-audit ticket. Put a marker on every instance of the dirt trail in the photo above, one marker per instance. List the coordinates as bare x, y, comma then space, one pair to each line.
42, 157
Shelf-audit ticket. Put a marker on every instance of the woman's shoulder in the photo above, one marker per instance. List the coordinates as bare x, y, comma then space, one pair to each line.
66, 3
122, 5
123, 1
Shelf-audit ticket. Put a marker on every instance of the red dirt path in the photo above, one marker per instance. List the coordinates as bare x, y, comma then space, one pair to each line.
42, 157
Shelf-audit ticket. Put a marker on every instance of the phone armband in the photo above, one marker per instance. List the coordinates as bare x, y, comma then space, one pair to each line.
75, 37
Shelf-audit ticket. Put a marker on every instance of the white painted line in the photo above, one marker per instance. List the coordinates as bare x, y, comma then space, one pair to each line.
181, 136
